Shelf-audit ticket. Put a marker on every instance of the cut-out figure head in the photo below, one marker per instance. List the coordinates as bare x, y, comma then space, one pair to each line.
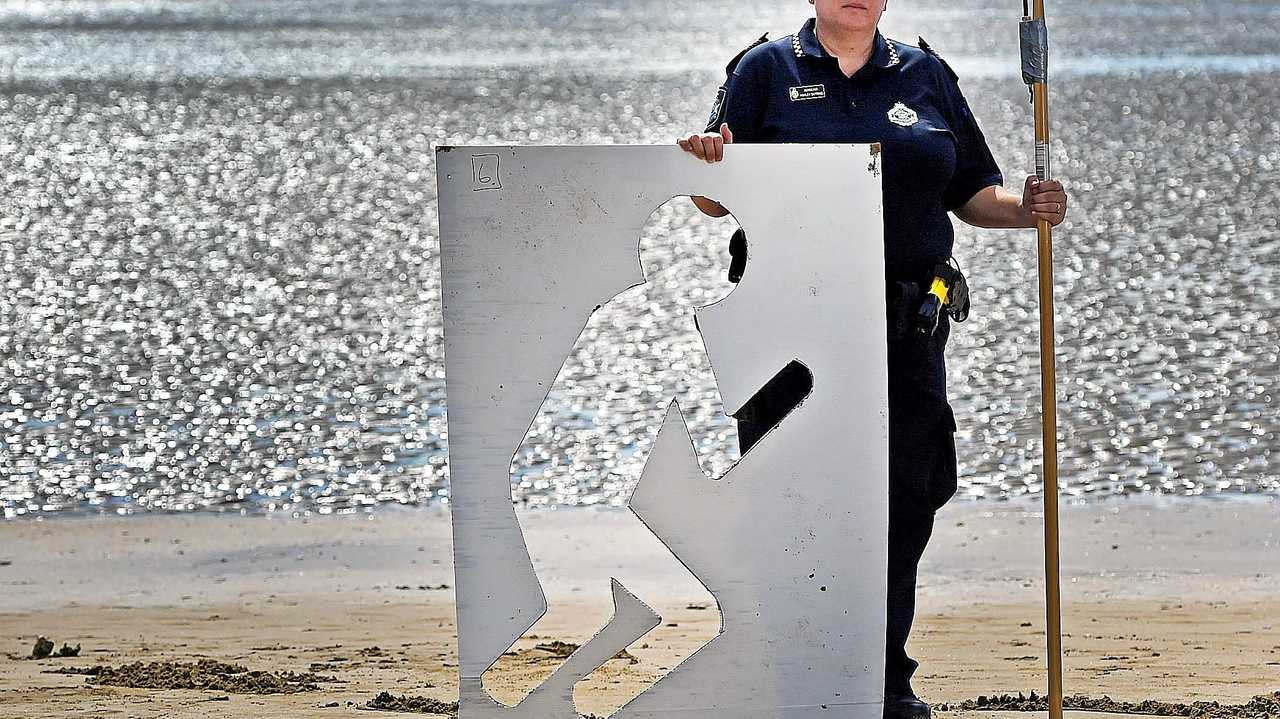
675, 255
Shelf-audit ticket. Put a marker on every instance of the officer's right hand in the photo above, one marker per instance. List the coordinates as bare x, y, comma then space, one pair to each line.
708, 146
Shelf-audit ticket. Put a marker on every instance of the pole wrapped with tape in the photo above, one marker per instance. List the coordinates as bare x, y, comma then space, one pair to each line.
1035, 50
1034, 39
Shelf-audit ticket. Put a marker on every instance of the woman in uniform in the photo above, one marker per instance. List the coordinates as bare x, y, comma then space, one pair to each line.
839, 80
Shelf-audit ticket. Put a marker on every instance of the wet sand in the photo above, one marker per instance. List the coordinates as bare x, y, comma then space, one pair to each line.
1166, 600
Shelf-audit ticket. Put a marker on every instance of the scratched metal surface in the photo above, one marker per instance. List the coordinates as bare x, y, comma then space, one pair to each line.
789, 542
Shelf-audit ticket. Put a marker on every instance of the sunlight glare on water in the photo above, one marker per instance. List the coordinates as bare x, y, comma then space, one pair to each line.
219, 259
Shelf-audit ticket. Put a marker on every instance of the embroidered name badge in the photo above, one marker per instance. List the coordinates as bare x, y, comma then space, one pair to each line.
808, 92
903, 115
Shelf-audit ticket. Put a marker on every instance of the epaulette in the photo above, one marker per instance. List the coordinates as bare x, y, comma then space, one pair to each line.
733, 64
929, 49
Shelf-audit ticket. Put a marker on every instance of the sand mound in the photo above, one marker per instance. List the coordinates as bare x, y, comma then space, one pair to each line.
204, 674
386, 701
1263, 706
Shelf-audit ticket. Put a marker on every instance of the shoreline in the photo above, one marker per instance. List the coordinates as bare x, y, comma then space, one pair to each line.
1169, 599
1147, 499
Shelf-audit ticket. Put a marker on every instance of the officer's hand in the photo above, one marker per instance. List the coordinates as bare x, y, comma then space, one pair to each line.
1044, 201
708, 146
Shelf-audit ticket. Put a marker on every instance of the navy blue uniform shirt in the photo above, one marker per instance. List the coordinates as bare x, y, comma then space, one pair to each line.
906, 99
935, 159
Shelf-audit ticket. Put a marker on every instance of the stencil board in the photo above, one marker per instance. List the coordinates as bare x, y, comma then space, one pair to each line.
791, 542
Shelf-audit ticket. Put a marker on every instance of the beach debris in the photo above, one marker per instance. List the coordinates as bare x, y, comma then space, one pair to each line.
206, 674
386, 701
562, 650
42, 649
557, 649
1263, 706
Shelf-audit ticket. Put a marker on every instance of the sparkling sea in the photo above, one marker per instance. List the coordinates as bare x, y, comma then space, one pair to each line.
219, 257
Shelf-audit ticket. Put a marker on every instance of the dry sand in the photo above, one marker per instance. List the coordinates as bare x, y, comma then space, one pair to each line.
1163, 599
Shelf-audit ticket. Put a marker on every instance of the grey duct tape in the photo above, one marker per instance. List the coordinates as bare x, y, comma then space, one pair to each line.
1035, 51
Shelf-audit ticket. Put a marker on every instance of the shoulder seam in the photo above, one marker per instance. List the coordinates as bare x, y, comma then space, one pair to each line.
732, 67
753, 51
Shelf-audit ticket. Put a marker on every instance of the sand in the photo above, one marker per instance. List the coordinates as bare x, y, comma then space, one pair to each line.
1170, 600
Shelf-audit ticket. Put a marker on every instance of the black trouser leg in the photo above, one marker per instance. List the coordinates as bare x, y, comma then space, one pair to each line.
910, 527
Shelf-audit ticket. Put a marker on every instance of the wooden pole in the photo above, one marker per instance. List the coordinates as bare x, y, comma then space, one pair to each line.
1049, 403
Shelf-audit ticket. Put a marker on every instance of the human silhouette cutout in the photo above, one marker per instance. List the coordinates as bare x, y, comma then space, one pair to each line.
636, 354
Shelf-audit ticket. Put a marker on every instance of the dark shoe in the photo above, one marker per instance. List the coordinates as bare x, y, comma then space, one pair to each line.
905, 706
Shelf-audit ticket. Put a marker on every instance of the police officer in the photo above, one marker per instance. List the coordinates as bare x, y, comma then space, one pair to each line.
839, 80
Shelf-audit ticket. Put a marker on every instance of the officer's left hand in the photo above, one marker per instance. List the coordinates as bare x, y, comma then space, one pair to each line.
1044, 201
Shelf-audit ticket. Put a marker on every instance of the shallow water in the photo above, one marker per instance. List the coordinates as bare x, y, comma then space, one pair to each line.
218, 250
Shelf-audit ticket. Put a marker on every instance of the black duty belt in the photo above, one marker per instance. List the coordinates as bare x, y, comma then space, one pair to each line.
916, 307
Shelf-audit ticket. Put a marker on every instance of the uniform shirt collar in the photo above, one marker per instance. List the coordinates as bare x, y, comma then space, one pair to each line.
805, 43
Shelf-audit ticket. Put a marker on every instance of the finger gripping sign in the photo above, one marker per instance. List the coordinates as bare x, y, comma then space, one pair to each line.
791, 541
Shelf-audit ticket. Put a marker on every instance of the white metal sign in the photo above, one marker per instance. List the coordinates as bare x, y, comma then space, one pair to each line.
791, 542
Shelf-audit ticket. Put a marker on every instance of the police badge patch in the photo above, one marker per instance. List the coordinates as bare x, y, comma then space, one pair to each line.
903, 116
717, 109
